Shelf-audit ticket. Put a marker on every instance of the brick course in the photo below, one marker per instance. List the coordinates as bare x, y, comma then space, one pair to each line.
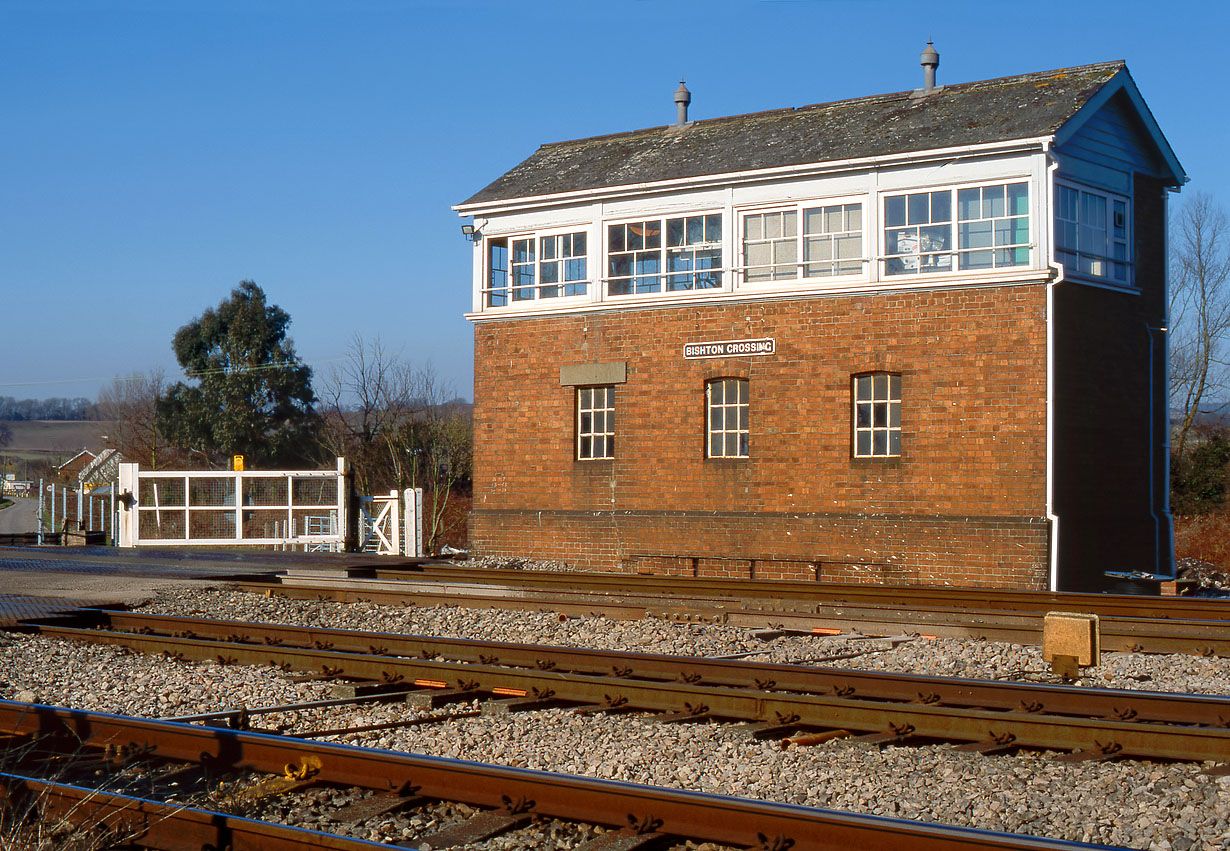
964, 504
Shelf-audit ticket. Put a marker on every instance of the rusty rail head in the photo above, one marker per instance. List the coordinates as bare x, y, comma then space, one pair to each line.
694, 815
1205, 710
951, 723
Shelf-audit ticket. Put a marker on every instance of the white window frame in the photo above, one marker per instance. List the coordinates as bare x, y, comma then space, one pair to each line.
1115, 255
875, 414
534, 263
595, 424
799, 266
733, 435
664, 286
947, 260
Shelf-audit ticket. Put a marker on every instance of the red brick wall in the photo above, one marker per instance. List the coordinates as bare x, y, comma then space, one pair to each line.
963, 504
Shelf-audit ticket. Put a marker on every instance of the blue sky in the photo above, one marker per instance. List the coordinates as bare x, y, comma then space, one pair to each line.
156, 153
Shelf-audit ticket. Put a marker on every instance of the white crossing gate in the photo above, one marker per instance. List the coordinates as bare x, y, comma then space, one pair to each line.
380, 524
286, 508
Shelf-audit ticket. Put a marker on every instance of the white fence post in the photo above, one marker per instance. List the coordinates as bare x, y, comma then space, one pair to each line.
127, 486
414, 522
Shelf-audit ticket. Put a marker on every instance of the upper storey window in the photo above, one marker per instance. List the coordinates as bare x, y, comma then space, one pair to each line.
1091, 234
525, 268
665, 255
991, 229
829, 243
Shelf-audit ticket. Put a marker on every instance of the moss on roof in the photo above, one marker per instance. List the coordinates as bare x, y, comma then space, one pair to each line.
1024, 106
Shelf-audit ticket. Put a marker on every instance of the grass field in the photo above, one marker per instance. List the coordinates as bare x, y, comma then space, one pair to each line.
50, 442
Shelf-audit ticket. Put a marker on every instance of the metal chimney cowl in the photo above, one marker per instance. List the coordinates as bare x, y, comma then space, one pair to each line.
683, 97
930, 60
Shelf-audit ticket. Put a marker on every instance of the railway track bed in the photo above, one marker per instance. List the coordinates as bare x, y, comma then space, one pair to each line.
1127, 802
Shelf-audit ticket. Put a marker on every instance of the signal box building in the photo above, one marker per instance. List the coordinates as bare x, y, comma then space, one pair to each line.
908, 338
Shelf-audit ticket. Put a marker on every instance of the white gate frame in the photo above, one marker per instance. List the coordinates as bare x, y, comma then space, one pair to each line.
130, 508
382, 522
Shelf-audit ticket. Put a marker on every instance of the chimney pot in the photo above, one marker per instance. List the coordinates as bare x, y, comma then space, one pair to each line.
930, 60
682, 98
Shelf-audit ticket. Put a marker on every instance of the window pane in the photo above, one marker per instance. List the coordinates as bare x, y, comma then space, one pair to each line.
587, 447
879, 415
862, 415
696, 230
743, 391
615, 237
790, 224
854, 216
894, 211
992, 201
879, 442
578, 245
968, 204
715, 446
732, 445
894, 443
713, 228
715, 392
743, 444
674, 232
894, 415
1018, 199
862, 445
753, 227
941, 207
920, 210
864, 388
833, 219
772, 225
974, 235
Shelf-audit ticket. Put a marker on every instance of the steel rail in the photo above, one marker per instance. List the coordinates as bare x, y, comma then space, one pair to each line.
693, 815
1203, 710
899, 721
1145, 635
145, 823
1126, 605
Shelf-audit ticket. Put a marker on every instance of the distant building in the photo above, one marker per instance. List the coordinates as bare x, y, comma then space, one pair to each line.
72, 468
907, 338
101, 472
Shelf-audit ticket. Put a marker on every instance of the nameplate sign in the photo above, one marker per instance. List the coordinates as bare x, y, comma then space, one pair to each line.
729, 348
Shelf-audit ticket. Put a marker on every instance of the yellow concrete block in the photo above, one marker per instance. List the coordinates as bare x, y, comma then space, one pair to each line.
1071, 634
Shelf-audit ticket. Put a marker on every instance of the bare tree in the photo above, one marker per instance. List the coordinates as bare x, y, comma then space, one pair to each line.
1199, 313
129, 403
396, 427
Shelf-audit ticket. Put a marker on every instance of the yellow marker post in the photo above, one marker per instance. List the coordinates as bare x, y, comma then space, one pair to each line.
237, 463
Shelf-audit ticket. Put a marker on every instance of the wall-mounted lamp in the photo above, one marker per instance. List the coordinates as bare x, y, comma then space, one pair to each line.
470, 233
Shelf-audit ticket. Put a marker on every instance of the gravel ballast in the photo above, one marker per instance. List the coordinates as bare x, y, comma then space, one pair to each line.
1134, 804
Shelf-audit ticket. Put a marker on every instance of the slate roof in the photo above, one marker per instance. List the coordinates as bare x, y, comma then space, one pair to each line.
1020, 107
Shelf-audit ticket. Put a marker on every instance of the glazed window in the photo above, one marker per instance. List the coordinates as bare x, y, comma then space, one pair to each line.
562, 265
727, 422
527, 268
595, 423
993, 226
665, 255
992, 229
877, 415
1092, 234
828, 243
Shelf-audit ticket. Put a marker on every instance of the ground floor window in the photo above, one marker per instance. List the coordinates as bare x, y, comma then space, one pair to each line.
877, 415
727, 423
595, 422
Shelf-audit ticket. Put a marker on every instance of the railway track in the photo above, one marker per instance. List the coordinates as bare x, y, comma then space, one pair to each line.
777, 699
1131, 624
88, 751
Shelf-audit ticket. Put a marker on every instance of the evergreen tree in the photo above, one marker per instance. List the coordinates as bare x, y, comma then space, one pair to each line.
253, 395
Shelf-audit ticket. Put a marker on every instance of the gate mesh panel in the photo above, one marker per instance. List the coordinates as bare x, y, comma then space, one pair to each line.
315, 491
162, 492
265, 490
264, 523
211, 524
212, 492
167, 523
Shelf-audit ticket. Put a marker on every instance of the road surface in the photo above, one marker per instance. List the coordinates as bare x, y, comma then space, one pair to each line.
21, 516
